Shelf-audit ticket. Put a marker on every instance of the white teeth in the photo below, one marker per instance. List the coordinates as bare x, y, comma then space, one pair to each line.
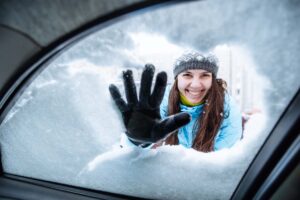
194, 93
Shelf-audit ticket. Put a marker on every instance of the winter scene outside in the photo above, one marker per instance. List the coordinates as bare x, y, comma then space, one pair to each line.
65, 128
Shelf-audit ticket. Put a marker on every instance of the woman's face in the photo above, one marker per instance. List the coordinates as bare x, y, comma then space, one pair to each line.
194, 84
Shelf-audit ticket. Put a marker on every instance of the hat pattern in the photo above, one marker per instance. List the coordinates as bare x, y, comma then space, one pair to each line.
195, 60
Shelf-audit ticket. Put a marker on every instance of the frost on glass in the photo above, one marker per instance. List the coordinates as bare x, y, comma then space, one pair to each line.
65, 127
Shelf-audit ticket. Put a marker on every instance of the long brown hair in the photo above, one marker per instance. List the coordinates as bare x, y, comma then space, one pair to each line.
208, 122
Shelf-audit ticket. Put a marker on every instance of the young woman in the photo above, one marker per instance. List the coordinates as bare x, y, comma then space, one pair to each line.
196, 112
216, 121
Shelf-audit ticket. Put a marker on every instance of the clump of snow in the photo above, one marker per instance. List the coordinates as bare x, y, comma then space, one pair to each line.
174, 172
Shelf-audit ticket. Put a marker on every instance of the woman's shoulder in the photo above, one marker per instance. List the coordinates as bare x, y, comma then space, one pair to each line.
227, 97
229, 101
231, 109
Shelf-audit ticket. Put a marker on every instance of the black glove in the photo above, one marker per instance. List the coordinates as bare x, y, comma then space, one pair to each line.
142, 117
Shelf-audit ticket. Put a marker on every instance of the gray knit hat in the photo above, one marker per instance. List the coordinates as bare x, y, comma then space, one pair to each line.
195, 60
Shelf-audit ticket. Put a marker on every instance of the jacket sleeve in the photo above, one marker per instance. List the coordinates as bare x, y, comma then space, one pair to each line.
231, 128
164, 104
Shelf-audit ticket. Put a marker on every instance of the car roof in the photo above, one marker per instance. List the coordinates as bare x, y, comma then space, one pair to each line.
28, 29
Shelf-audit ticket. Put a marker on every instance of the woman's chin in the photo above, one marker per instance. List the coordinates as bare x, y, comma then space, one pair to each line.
195, 101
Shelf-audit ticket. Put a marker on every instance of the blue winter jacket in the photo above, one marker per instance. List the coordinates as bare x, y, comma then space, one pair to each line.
230, 130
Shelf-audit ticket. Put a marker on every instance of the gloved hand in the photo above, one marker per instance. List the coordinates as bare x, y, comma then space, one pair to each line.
142, 116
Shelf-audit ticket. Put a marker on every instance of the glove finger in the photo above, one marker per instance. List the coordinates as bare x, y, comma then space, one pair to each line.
159, 89
130, 88
146, 82
171, 124
115, 93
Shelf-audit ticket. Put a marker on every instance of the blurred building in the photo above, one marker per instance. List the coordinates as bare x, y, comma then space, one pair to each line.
238, 70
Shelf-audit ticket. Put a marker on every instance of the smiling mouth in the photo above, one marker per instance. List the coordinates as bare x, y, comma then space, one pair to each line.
195, 94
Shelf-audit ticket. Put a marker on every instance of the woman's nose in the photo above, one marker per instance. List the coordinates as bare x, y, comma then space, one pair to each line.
196, 83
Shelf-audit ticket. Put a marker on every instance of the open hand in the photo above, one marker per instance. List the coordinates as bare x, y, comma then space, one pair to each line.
142, 116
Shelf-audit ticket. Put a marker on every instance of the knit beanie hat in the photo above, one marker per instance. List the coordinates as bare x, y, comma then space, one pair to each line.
195, 60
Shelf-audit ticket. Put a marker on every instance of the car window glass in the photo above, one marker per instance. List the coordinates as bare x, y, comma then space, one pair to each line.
65, 128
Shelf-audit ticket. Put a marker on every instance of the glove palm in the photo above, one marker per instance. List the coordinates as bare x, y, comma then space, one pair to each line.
142, 116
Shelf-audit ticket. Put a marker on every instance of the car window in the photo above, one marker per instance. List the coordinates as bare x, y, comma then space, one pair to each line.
65, 128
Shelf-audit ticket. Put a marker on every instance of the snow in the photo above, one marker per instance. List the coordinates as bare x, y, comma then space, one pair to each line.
65, 128
172, 172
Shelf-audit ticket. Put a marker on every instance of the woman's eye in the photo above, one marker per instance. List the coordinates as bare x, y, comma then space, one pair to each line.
206, 75
186, 75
